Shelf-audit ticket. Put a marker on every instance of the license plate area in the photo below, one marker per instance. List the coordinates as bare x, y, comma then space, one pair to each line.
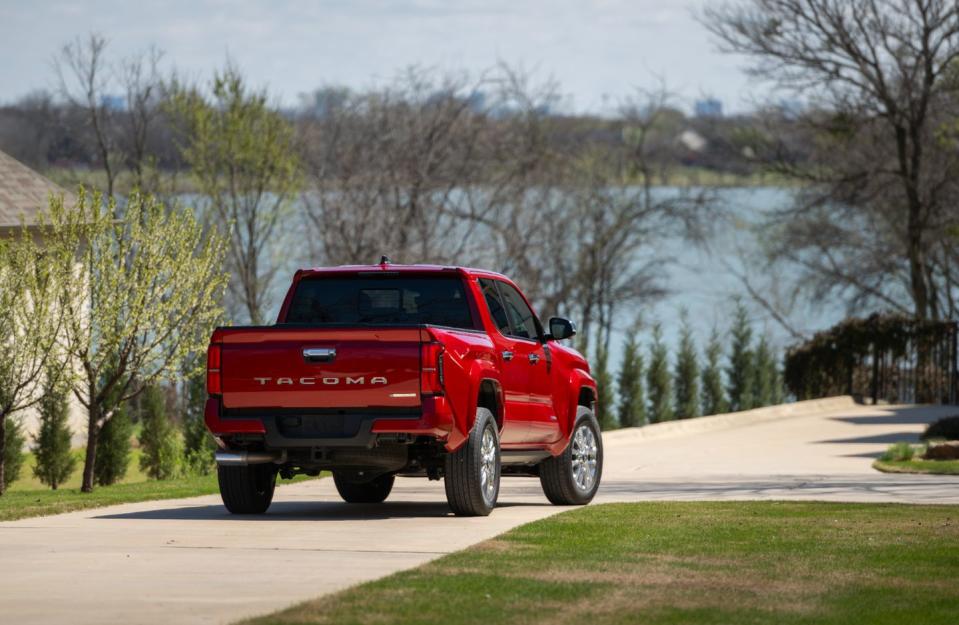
319, 426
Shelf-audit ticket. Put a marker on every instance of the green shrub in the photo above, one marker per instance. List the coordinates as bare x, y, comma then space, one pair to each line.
159, 440
659, 382
947, 428
632, 408
686, 378
899, 452
113, 448
198, 444
604, 389
199, 461
51, 445
764, 382
12, 452
713, 393
741, 372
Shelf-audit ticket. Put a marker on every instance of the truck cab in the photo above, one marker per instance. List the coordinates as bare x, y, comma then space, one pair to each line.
378, 371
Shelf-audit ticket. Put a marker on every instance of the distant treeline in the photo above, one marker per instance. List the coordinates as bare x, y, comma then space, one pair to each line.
49, 129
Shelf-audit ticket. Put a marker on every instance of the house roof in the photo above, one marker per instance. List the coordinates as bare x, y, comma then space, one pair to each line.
24, 193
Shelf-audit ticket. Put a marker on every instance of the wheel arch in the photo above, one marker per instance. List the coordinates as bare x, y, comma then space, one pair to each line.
490, 396
582, 393
483, 390
587, 397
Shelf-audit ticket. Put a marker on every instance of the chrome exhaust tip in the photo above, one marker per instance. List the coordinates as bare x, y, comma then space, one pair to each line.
245, 458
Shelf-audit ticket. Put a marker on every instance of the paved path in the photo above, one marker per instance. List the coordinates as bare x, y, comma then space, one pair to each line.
187, 561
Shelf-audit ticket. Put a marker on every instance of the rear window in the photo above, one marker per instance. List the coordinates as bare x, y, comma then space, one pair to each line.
381, 300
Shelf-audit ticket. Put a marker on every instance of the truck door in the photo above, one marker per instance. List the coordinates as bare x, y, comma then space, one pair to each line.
513, 365
532, 353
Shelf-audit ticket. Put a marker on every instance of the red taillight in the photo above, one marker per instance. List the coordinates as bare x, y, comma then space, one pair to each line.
214, 385
431, 370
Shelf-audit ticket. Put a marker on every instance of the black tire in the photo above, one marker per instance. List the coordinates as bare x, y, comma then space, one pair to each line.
353, 490
466, 491
247, 490
556, 474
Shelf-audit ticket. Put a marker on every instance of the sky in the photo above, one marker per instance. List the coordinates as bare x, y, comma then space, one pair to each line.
599, 51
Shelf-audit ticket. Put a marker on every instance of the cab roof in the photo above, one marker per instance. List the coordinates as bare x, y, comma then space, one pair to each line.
394, 268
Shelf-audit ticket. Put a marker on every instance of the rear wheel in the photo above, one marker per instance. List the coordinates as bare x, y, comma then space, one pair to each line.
247, 490
473, 470
354, 490
572, 478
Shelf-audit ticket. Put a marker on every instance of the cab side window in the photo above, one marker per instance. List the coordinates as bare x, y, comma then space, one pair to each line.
521, 318
495, 304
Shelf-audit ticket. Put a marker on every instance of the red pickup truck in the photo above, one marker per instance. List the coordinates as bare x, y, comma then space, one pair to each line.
382, 370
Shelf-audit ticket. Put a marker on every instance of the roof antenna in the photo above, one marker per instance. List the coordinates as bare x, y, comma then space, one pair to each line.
385, 260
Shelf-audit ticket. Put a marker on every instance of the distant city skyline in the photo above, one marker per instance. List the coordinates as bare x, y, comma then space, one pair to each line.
598, 52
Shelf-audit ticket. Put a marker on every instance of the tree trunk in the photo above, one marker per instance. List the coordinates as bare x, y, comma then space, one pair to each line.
102, 148
917, 274
909, 173
3, 446
93, 430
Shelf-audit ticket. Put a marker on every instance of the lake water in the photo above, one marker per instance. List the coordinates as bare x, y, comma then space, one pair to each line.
698, 277
704, 280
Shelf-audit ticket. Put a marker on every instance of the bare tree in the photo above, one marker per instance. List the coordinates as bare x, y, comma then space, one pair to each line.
244, 158
577, 226
447, 170
618, 263
142, 83
121, 125
876, 219
393, 169
84, 76
523, 205
621, 214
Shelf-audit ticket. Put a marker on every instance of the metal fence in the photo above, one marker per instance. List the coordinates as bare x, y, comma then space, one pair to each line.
882, 358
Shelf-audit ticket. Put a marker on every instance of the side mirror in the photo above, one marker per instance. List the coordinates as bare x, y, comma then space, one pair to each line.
560, 328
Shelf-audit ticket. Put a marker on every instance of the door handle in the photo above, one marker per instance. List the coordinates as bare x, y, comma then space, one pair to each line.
507, 355
533, 359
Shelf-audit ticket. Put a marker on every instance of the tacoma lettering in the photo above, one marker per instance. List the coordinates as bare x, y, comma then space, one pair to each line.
328, 381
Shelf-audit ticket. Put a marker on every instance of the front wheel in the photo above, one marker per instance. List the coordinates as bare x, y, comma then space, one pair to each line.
473, 470
353, 490
248, 489
572, 478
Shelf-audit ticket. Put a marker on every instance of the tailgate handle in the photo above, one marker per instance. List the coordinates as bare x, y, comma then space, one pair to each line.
319, 354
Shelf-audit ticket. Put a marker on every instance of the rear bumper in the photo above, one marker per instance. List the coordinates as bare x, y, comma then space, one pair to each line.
288, 429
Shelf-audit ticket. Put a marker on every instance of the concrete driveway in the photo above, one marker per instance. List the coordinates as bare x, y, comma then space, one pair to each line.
187, 561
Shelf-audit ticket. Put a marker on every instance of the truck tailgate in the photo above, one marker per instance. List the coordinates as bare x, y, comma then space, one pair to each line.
287, 367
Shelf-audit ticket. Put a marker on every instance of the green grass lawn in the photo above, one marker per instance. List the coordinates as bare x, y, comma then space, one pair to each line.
938, 467
27, 497
20, 504
695, 563
27, 481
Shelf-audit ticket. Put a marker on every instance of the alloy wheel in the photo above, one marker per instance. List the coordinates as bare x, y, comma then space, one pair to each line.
584, 458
